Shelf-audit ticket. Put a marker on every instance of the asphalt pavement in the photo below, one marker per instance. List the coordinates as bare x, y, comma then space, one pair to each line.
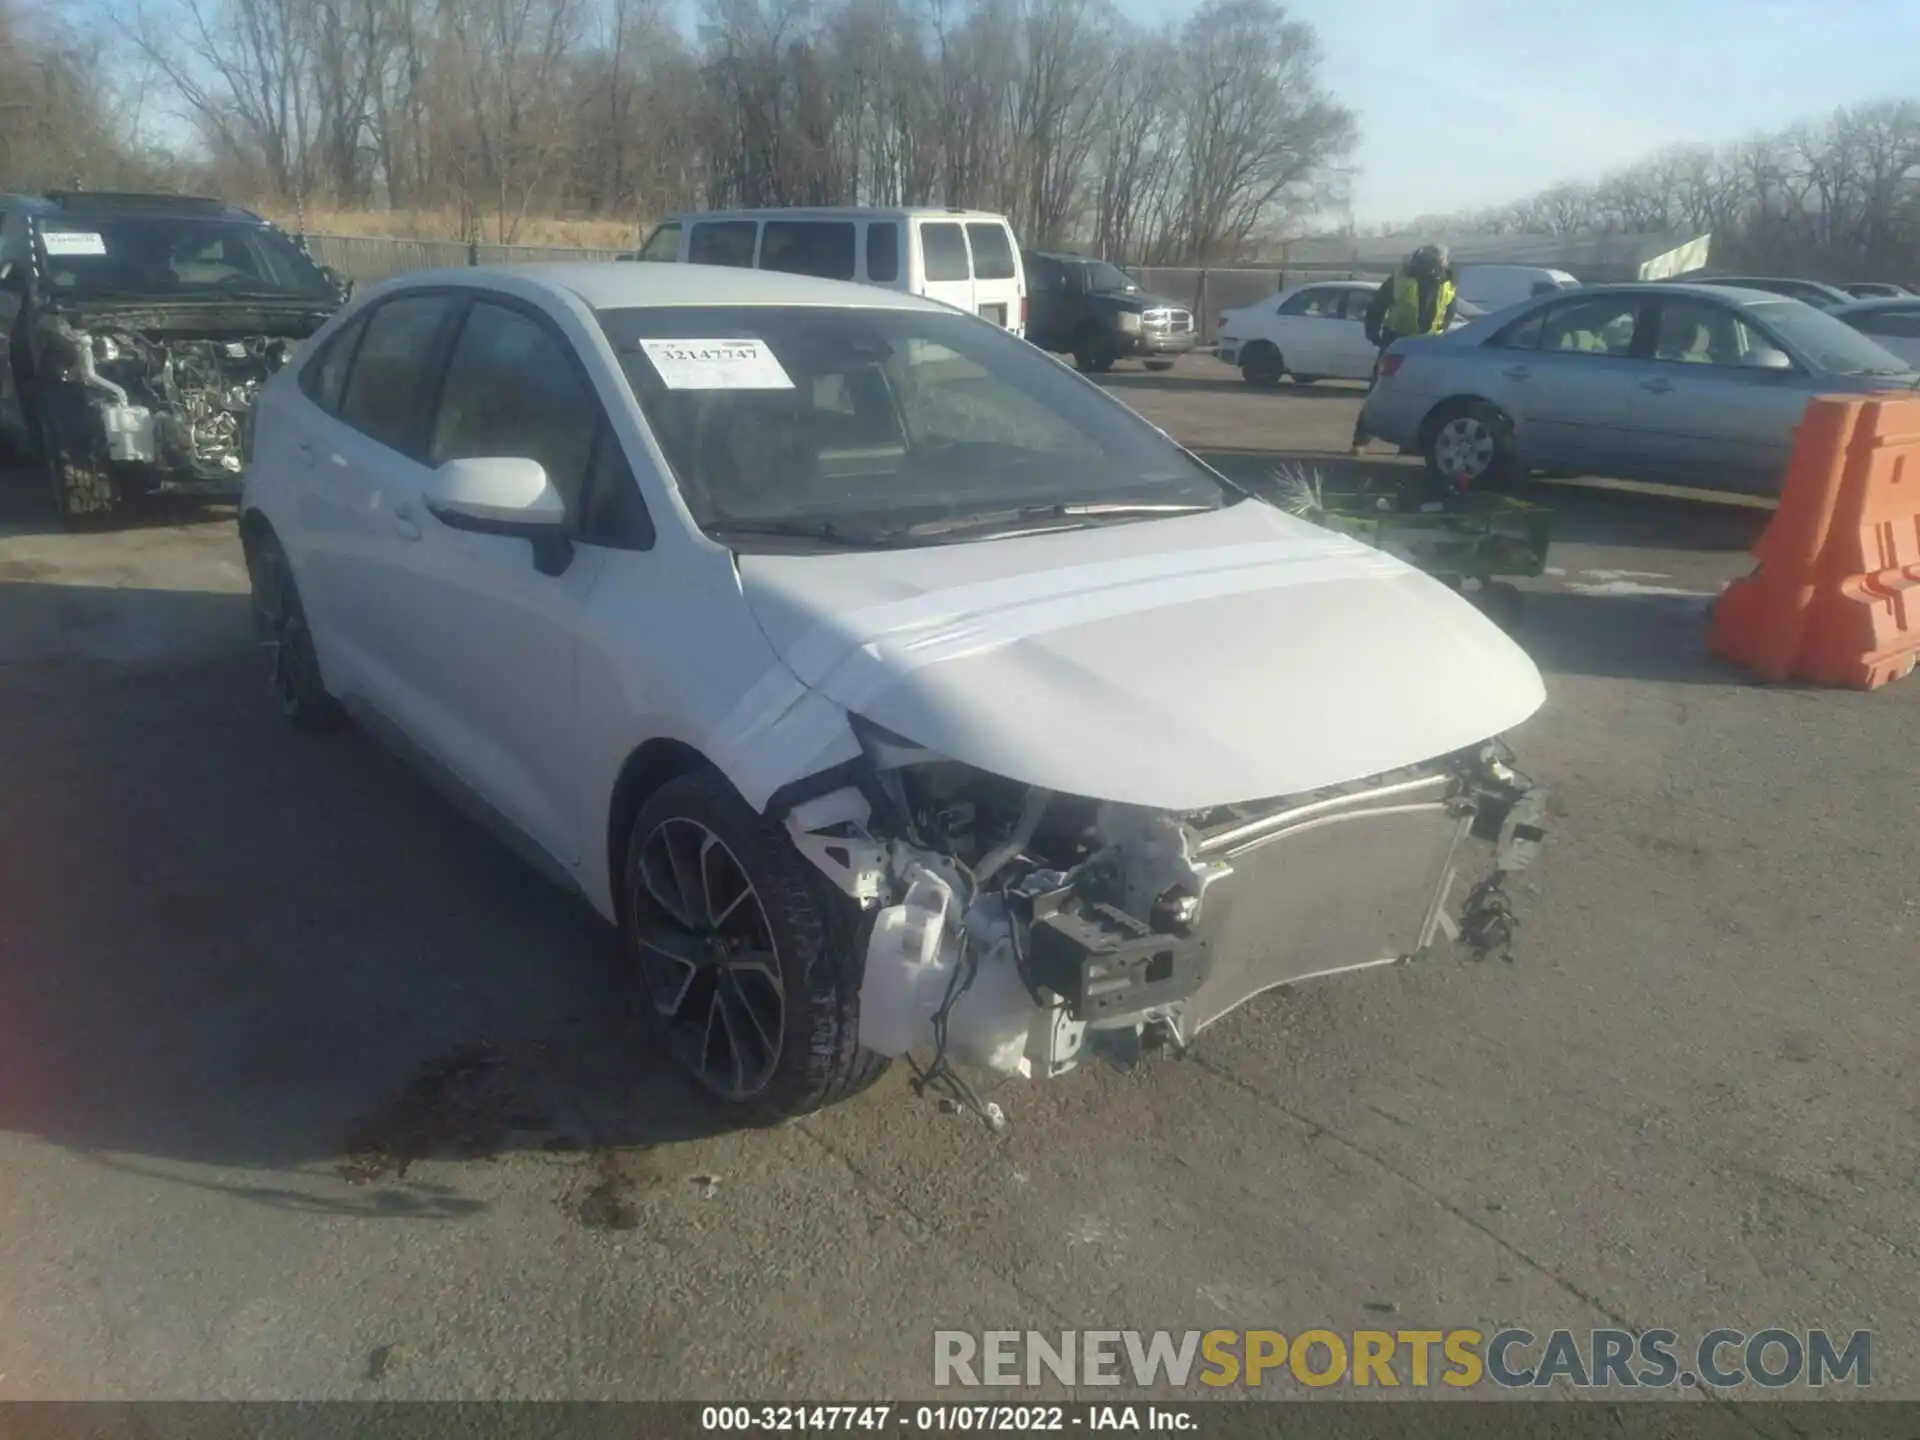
308, 1089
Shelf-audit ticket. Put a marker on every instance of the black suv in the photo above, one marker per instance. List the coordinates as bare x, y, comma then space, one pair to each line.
134, 333
1095, 312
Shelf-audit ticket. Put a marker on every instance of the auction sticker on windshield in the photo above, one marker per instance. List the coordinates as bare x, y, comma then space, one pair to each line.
73, 242
716, 365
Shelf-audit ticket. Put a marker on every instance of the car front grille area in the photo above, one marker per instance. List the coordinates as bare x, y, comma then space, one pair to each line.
1172, 322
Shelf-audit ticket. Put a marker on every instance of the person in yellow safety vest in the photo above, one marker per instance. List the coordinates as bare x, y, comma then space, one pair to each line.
1417, 299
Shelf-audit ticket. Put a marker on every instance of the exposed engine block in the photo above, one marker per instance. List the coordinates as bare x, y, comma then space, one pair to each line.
199, 391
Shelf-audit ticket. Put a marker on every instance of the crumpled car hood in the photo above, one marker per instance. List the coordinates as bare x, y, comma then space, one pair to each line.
1178, 663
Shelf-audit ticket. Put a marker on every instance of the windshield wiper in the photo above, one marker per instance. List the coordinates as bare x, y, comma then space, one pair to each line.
1020, 515
824, 532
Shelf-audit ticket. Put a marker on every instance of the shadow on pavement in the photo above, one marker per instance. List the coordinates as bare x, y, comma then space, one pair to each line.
1636, 637
26, 508
227, 943
1227, 381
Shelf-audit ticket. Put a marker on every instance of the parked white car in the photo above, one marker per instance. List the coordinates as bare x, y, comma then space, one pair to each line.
893, 688
1309, 332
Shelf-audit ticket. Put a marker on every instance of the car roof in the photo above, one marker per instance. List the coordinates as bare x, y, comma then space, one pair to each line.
100, 204
1878, 302
1726, 292
1749, 281
833, 212
607, 285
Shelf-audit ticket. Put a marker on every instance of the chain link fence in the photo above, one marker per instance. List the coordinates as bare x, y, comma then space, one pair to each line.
366, 258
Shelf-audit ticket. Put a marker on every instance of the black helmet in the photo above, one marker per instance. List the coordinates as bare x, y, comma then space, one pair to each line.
1430, 259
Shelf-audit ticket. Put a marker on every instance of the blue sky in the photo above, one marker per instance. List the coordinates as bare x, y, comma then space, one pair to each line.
1466, 103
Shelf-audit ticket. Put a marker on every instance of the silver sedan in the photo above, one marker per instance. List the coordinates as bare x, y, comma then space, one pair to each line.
1685, 384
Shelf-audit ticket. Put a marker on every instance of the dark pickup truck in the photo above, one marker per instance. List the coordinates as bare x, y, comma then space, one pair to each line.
1095, 312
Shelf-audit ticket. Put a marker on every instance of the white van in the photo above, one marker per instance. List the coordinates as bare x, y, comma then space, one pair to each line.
966, 258
1495, 287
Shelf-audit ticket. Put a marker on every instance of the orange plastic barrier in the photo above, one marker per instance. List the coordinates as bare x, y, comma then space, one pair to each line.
1835, 598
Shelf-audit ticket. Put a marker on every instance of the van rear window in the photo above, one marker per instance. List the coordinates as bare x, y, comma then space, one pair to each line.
723, 242
945, 249
992, 251
809, 247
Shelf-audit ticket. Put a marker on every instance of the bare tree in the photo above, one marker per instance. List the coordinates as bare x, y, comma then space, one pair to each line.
1134, 161
1834, 200
1259, 133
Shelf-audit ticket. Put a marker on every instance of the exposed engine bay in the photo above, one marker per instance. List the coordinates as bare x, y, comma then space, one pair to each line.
1010, 926
171, 391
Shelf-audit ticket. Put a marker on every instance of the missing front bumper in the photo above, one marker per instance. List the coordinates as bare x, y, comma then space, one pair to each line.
1365, 877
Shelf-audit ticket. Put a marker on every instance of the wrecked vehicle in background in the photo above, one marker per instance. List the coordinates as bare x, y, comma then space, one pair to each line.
896, 691
135, 331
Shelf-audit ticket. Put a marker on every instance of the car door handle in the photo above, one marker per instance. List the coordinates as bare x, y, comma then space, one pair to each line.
404, 522
1658, 385
1516, 372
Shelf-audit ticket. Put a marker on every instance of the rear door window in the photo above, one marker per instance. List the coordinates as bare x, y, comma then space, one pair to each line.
943, 246
1324, 302
809, 247
883, 252
723, 242
992, 250
384, 387
1603, 325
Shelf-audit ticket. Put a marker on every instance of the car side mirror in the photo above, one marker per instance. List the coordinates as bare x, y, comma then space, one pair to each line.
338, 281
1770, 359
504, 495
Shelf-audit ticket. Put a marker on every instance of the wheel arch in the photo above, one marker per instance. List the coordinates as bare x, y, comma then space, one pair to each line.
255, 527
645, 770
1451, 406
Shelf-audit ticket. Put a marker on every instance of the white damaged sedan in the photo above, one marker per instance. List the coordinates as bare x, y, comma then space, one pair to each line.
896, 691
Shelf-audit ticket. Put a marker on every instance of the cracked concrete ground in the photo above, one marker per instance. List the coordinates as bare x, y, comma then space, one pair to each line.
258, 993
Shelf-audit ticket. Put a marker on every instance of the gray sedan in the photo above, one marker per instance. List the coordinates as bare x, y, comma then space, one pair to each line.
1685, 384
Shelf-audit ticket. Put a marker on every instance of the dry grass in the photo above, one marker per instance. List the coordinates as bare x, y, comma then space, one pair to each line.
445, 225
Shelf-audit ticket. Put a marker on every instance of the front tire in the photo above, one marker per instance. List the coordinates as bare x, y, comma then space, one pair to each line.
750, 964
281, 623
1262, 366
78, 479
1471, 445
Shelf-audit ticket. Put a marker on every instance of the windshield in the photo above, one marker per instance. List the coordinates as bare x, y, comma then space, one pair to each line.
1826, 342
869, 421
174, 258
1105, 279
